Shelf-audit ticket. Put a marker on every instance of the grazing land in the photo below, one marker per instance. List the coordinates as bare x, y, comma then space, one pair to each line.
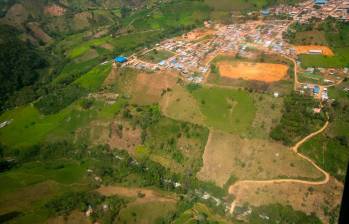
226, 109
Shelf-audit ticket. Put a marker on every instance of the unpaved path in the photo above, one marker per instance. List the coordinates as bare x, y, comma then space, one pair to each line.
273, 181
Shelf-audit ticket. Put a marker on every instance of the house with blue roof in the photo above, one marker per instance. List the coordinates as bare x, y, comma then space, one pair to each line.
320, 2
120, 59
316, 90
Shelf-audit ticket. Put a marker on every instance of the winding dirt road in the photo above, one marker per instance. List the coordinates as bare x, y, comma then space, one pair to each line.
273, 181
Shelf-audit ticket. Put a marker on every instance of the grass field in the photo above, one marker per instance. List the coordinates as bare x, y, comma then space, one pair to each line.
155, 56
30, 127
230, 155
171, 15
340, 59
226, 109
27, 188
311, 78
93, 79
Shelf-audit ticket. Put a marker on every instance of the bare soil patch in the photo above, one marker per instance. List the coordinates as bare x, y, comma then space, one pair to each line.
266, 72
116, 134
198, 34
304, 49
39, 33
113, 75
251, 159
54, 10
148, 88
306, 198
148, 195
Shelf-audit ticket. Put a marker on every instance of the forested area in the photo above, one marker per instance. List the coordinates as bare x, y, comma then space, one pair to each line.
19, 62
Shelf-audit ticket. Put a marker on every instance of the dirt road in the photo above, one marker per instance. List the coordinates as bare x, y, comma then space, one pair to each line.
273, 181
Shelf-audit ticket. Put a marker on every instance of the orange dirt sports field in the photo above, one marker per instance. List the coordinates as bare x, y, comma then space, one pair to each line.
265, 72
305, 49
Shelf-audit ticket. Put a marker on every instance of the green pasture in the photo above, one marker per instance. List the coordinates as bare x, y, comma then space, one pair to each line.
93, 79
339, 60
226, 109
155, 56
29, 127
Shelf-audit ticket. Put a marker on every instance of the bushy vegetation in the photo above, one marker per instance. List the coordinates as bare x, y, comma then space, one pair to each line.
19, 62
58, 99
298, 119
330, 149
276, 213
102, 208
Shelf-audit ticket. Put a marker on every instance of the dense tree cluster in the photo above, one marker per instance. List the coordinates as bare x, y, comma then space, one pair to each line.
298, 119
19, 62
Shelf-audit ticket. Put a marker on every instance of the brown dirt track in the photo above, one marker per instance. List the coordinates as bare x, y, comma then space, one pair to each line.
304, 49
265, 72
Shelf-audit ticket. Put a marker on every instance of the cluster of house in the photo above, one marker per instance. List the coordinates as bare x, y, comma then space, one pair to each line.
312, 9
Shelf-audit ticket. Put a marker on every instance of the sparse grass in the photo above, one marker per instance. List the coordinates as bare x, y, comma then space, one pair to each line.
179, 104
145, 213
252, 159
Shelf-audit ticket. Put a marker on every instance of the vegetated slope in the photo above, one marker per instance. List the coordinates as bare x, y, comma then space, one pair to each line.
19, 64
330, 149
298, 119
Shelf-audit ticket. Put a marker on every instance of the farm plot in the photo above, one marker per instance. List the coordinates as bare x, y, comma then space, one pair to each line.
252, 159
304, 49
266, 72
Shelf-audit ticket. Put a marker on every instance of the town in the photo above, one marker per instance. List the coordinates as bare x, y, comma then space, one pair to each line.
192, 53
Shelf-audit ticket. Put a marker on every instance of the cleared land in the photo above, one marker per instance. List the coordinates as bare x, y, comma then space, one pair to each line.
266, 72
253, 159
146, 88
179, 104
304, 49
323, 200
